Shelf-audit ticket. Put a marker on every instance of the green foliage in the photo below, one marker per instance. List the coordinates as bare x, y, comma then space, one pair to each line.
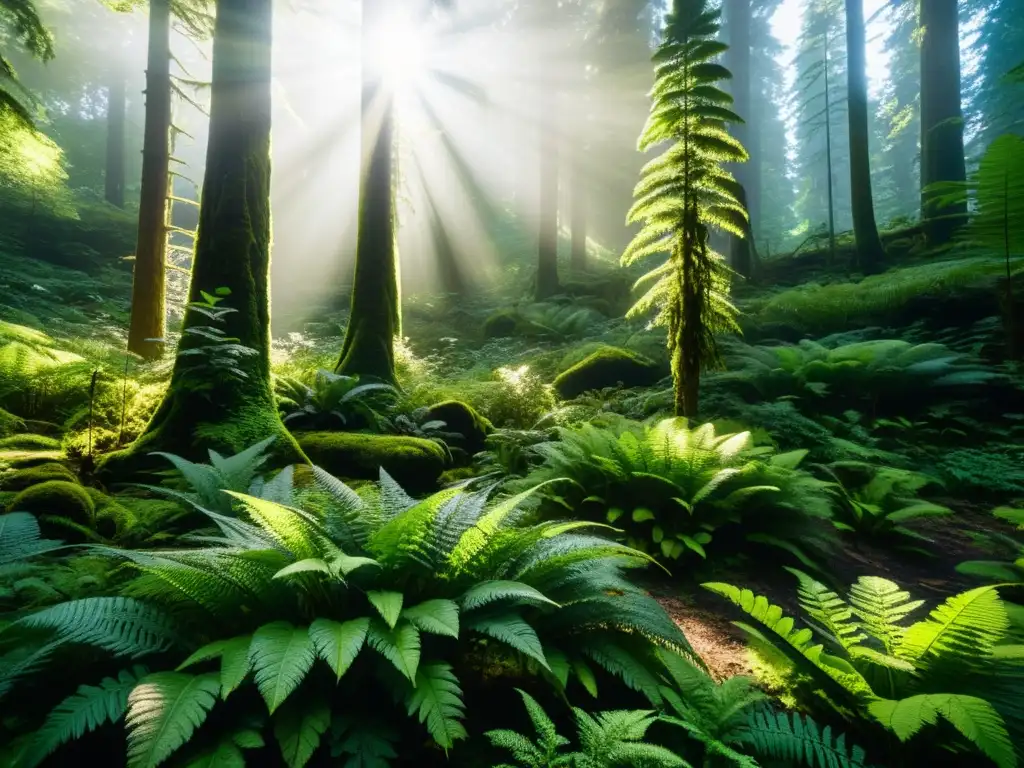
607, 739
675, 489
686, 191
879, 502
207, 354
333, 401
519, 400
1008, 569
373, 584
959, 663
995, 468
20, 538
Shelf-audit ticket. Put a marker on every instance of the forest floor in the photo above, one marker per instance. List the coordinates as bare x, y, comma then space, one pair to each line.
445, 355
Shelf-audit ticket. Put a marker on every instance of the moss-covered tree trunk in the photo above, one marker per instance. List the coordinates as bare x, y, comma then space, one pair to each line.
115, 165
942, 124
375, 316
232, 252
869, 245
149, 303
547, 218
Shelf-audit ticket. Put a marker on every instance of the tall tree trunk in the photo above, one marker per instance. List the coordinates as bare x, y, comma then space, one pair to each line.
375, 316
828, 164
115, 170
233, 253
547, 231
149, 302
942, 125
738, 20
869, 245
578, 216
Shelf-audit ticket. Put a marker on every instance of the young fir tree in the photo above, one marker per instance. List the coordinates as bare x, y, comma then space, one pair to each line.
217, 397
684, 192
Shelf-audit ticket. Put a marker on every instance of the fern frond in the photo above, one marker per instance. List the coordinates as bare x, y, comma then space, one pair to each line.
437, 700
164, 710
796, 740
298, 728
967, 625
281, 656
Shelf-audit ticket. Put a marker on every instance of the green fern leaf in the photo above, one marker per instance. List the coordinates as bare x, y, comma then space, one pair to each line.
225, 754
796, 740
85, 710
437, 701
388, 605
881, 605
164, 710
339, 643
440, 617
400, 646
234, 656
487, 592
281, 656
511, 629
298, 727
975, 718
828, 609
968, 625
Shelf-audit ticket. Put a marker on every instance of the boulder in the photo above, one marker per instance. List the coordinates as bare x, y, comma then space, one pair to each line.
608, 367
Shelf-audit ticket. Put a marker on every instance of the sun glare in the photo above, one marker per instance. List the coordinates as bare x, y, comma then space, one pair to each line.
401, 50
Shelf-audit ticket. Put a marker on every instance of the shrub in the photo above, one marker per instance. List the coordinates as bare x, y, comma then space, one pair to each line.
958, 664
674, 489
332, 401
392, 594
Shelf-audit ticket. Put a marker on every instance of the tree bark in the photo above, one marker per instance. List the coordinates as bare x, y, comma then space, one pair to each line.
547, 233
942, 124
149, 302
233, 252
738, 21
870, 254
578, 217
115, 170
375, 316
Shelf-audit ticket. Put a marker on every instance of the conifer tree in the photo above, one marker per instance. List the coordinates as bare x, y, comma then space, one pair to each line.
870, 254
220, 396
942, 124
686, 191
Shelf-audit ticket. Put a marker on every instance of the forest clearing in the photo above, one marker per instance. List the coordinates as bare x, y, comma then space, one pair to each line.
521, 383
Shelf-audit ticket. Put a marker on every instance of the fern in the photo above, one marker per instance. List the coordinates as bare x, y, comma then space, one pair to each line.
437, 701
299, 728
281, 656
339, 643
164, 710
20, 539
86, 710
797, 740
968, 625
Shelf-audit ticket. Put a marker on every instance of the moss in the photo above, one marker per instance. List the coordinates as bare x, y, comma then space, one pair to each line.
29, 442
415, 463
28, 458
465, 420
9, 423
501, 324
608, 367
21, 479
457, 475
65, 510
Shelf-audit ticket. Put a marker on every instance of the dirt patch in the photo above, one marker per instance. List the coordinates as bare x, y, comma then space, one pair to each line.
717, 641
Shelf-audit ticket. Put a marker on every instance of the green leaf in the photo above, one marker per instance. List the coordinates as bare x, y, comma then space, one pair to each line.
298, 728
614, 514
388, 605
281, 656
437, 701
345, 564
399, 645
86, 710
234, 656
642, 515
486, 592
225, 754
309, 565
339, 643
586, 676
975, 718
164, 710
440, 617
511, 629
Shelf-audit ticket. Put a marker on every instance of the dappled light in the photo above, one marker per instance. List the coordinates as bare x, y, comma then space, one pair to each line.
522, 383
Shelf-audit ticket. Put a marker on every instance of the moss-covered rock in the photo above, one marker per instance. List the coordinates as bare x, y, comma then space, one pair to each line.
457, 475
29, 443
501, 324
21, 458
608, 367
64, 510
21, 479
463, 419
415, 463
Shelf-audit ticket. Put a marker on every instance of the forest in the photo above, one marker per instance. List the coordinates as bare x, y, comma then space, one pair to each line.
643, 385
